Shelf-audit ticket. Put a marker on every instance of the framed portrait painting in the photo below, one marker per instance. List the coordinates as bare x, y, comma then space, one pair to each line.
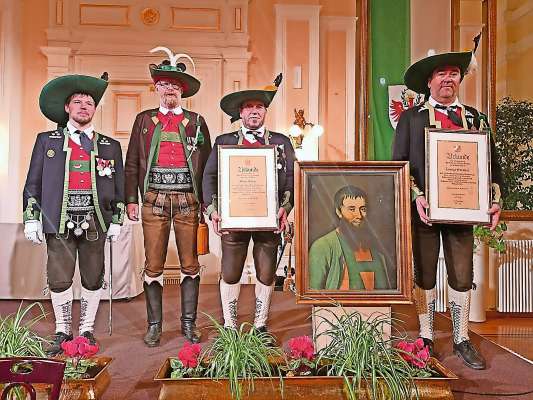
353, 233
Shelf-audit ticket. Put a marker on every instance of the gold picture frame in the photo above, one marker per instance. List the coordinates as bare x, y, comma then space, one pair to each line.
385, 231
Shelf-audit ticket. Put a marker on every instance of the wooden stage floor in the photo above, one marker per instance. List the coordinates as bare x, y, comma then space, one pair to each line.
135, 365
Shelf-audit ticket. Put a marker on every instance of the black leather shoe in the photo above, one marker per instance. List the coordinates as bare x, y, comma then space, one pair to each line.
153, 335
261, 329
430, 345
55, 347
90, 337
264, 330
190, 288
153, 293
469, 354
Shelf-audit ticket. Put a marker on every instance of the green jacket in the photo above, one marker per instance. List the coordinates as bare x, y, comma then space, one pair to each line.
327, 260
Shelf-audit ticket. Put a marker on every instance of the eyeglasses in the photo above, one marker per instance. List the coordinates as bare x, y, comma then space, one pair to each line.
164, 84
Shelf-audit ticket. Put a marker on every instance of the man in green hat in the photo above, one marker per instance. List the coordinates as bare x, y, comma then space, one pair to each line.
75, 186
439, 77
251, 107
166, 156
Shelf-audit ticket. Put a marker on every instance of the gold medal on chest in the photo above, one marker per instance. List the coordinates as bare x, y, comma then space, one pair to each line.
50, 153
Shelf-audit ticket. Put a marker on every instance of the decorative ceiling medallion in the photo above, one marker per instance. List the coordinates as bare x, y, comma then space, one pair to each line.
150, 16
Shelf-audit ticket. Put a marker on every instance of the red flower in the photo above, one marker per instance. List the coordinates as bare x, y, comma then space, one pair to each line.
414, 353
301, 347
79, 347
188, 354
70, 348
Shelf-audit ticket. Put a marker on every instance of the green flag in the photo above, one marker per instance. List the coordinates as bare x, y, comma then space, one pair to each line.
390, 55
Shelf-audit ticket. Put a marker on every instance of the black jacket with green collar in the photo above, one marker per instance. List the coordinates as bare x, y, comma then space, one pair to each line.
46, 189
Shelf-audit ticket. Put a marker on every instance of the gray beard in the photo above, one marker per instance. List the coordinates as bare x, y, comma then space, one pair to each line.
169, 102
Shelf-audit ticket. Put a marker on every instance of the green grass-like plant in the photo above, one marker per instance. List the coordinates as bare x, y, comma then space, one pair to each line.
17, 339
240, 355
367, 362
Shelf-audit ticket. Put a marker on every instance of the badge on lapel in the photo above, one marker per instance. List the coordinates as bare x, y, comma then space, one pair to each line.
105, 167
282, 157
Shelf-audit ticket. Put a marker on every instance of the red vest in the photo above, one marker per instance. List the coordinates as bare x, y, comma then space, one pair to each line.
171, 154
446, 122
247, 143
79, 172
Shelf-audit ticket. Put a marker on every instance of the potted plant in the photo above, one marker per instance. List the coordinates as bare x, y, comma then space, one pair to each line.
514, 144
86, 376
17, 339
358, 363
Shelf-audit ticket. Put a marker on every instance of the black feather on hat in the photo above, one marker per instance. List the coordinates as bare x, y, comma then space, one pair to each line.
231, 103
417, 75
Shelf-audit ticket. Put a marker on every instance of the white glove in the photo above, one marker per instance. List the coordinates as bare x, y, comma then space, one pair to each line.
113, 232
33, 230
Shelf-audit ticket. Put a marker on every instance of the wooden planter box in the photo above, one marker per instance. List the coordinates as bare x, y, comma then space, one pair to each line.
299, 387
82, 389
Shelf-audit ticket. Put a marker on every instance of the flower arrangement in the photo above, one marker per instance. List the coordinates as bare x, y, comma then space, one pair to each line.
188, 362
78, 352
301, 356
417, 355
357, 352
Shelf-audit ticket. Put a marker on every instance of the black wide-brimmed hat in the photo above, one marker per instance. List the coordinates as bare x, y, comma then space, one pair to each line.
231, 103
56, 92
173, 71
417, 75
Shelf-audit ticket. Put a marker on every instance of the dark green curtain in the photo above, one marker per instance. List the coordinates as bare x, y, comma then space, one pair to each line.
390, 54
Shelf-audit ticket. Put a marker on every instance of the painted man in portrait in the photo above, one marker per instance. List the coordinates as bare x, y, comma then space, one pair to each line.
348, 257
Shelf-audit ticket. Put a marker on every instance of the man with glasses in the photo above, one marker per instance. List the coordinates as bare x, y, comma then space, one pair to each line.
167, 152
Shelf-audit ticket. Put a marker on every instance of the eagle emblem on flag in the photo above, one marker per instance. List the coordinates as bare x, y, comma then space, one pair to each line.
401, 99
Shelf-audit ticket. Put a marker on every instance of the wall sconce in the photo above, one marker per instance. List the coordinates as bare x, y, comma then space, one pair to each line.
300, 129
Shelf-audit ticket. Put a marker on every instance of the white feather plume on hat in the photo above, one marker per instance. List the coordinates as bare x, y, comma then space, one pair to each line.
173, 58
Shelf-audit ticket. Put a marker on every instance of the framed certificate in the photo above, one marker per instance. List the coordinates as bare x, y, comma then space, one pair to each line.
247, 188
458, 183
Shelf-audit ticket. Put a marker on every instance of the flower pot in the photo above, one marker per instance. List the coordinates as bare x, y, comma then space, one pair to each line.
305, 387
83, 389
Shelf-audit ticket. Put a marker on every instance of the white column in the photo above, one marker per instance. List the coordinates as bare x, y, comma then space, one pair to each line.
58, 65
11, 90
286, 13
481, 278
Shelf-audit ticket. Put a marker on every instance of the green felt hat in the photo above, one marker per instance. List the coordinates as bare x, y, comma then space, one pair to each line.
171, 70
231, 103
56, 92
417, 75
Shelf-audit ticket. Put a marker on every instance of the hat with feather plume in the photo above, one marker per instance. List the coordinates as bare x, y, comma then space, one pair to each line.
173, 71
231, 103
417, 75
55, 93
